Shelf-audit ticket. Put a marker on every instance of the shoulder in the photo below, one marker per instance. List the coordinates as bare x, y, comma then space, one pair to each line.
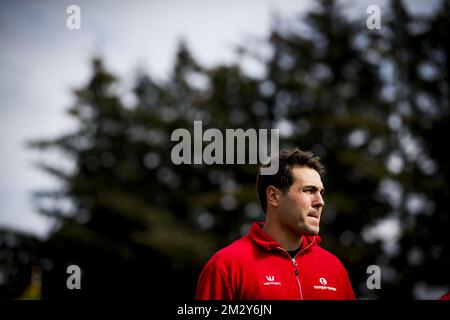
236, 251
327, 257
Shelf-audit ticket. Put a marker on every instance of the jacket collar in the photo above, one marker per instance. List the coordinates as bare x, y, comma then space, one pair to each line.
262, 239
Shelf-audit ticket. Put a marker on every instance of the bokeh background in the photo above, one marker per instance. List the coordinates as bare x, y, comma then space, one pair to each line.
86, 119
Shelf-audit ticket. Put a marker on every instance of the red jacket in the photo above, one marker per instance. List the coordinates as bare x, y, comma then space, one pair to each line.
445, 296
255, 267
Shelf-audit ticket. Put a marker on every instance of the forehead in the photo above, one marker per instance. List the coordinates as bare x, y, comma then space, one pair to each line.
306, 176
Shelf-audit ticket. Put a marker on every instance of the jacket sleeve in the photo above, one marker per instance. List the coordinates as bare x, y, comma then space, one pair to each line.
213, 283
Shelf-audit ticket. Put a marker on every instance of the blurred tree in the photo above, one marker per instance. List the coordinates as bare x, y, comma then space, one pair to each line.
418, 50
124, 226
140, 226
17, 258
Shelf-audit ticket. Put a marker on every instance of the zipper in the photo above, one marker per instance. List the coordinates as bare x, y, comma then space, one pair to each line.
296, 266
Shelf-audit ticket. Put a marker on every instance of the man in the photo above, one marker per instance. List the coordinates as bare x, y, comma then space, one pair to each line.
280, 258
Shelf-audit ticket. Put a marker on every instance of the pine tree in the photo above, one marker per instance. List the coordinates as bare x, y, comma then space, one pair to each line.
419, 51
136, 221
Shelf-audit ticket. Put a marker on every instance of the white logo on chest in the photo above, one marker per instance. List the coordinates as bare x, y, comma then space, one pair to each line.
271, 281
323, 285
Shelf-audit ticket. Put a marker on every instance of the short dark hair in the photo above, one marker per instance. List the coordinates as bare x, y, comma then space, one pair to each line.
283, 178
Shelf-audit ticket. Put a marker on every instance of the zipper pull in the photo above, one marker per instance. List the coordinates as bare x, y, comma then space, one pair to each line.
295, 266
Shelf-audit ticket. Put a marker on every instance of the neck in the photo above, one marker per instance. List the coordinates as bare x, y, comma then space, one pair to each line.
288, 240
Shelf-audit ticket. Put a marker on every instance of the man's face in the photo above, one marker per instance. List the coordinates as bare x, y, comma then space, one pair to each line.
301, 207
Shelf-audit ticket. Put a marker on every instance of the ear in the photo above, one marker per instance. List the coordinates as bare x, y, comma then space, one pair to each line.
272, 194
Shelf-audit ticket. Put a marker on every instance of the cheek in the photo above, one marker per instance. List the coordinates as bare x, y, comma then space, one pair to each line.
296, 203
304, 201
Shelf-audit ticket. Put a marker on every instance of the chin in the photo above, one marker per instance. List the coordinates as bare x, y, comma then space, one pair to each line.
308, 230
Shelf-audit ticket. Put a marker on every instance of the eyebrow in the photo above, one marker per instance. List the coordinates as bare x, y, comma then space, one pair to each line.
314, 188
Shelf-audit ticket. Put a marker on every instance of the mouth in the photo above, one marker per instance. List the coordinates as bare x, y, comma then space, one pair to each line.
314, 215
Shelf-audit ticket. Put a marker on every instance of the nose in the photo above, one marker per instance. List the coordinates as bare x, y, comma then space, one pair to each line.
318, 201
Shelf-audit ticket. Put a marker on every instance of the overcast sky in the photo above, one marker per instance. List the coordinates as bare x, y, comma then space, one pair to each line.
41, 60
